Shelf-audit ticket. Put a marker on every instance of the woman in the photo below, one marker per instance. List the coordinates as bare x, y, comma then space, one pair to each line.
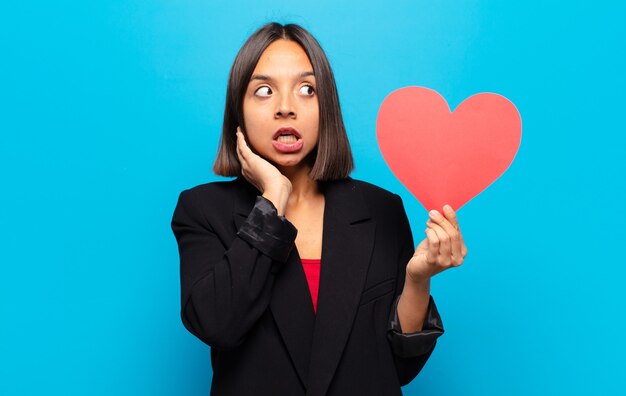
255, 251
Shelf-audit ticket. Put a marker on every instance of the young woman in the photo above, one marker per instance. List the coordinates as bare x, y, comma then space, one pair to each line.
301, 279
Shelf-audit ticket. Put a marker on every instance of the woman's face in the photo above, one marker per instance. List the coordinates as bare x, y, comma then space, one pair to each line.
280, 107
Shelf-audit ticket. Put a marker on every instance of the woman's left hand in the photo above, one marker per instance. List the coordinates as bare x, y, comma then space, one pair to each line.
442, 248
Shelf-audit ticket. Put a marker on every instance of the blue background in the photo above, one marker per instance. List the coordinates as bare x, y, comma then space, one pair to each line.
110, 108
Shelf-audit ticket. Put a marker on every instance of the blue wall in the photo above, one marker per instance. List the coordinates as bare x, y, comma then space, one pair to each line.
108, 109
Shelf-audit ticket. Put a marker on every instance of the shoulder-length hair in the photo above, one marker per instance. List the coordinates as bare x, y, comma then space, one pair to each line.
333, 157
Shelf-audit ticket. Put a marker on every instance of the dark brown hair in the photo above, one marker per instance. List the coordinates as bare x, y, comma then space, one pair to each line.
333, 157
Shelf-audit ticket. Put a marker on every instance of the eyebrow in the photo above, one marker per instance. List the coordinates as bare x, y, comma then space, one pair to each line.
264, 77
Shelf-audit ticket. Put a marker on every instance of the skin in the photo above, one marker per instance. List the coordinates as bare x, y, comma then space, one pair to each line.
286, 96
282, 93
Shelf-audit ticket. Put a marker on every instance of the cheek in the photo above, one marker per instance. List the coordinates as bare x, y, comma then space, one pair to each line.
253, 123
252, 114
315, 123
312, 116
255, 133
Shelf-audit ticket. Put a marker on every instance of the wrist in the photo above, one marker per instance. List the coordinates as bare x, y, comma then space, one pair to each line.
275, 183
417, 280
279, 198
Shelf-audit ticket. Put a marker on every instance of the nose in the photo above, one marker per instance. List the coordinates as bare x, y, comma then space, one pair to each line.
285, 107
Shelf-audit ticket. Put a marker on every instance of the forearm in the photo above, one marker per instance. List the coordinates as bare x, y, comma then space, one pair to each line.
221, 306
224, 291
413, 304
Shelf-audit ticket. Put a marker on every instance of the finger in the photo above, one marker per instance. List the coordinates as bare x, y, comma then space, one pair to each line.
444, 243
438, 218
245, 148
450, 225
463, 247
241, 143
240, 153
456, 241
453, 219
433, 245
423, 245
451, 215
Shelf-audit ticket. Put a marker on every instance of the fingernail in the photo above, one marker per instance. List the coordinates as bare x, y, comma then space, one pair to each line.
434, 213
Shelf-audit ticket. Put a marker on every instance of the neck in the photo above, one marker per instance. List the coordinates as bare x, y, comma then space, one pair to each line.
302, 186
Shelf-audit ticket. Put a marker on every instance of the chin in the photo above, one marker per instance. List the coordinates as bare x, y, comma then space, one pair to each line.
288, 162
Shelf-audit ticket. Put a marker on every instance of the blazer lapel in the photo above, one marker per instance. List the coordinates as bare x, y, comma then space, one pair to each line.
346, 250
290, 303
316, 344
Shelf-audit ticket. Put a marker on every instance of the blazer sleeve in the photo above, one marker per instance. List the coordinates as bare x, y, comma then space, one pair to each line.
225, 289
410, 350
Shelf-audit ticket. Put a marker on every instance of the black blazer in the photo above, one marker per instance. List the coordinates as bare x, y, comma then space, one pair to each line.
244, 293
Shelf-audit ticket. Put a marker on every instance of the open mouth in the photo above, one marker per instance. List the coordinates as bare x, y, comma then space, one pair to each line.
287, 140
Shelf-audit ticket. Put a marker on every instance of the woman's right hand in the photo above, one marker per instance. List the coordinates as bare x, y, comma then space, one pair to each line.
263, 175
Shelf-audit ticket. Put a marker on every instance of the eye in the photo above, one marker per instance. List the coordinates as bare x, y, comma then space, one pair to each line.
307, 90
263, 91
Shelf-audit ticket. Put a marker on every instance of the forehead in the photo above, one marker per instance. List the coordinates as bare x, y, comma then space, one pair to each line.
283, 57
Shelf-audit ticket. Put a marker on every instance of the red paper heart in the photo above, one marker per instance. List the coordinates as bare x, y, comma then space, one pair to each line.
443, 156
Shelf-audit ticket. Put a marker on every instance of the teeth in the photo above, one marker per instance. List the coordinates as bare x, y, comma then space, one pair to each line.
287, 139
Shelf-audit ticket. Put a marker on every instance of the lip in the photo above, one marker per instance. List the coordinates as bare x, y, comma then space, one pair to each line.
288, 130
287, 148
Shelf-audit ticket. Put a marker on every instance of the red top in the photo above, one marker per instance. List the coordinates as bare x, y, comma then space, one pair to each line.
312, 272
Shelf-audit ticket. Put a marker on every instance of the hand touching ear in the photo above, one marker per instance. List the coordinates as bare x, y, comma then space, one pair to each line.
263, 175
